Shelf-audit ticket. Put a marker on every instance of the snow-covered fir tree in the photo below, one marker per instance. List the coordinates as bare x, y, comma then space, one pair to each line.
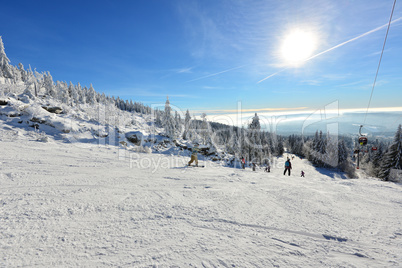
317, 154
177, 121
254, 140
331, 156
376, 159
91, 95
49, 86
5, 68
204, 130
168, 121
63, 94
158, 117
187, 122
24, 74
392, 159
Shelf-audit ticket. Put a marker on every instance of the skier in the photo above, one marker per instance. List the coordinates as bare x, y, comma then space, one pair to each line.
302, 174
268, 168
288, 167
254, 166
194, 155
243, 163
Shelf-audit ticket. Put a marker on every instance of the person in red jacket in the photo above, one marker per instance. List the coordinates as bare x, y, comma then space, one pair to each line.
243, 163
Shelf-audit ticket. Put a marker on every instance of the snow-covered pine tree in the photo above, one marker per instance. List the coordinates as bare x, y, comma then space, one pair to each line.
81, 94
281, 147
345, 164
205, 131
5, 67
273, 143
91, 95
266, 146
158, 118
298, 146
254, 139
331, 157
131, 106
319, 144
102, 98
376, 160
168, 121
23, 73
75, 96
72, 94
255, 123
63, 94
127, 105
50, 89
393, 158
30, 81
177, 120
187, 122
342, 152
236, 144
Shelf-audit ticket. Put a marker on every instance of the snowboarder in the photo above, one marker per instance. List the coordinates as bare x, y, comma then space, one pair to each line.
243, 163
288, 167
302, 173
194, 155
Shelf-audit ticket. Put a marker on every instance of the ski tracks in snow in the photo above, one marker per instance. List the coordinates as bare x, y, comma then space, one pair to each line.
66, 206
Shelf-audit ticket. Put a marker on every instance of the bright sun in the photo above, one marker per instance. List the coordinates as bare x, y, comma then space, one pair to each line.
297, 47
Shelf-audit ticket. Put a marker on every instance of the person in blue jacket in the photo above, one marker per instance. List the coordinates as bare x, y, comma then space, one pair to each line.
288, 167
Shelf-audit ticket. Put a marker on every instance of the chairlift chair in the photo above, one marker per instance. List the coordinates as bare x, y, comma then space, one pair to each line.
362, 139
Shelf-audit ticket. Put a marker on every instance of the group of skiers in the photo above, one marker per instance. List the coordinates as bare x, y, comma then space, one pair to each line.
288, 164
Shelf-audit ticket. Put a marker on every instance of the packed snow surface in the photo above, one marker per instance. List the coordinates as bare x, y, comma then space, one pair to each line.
88, 205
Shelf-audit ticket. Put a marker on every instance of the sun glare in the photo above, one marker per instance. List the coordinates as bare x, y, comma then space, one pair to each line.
297, 47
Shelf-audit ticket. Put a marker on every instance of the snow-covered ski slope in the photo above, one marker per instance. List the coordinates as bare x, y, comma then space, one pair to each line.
85, 205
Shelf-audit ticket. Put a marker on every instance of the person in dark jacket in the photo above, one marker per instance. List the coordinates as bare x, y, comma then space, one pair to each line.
288, 167
268, 168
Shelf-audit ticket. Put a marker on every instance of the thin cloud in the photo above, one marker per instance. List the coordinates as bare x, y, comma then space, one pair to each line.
335, 47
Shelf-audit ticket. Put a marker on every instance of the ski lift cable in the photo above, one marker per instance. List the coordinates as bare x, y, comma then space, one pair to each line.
363, 139
379, 63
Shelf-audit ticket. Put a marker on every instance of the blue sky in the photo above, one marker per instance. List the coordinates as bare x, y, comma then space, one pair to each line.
209, 55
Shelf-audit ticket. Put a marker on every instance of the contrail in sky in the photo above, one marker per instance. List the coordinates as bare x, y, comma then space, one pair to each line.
332, 48
228, 70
